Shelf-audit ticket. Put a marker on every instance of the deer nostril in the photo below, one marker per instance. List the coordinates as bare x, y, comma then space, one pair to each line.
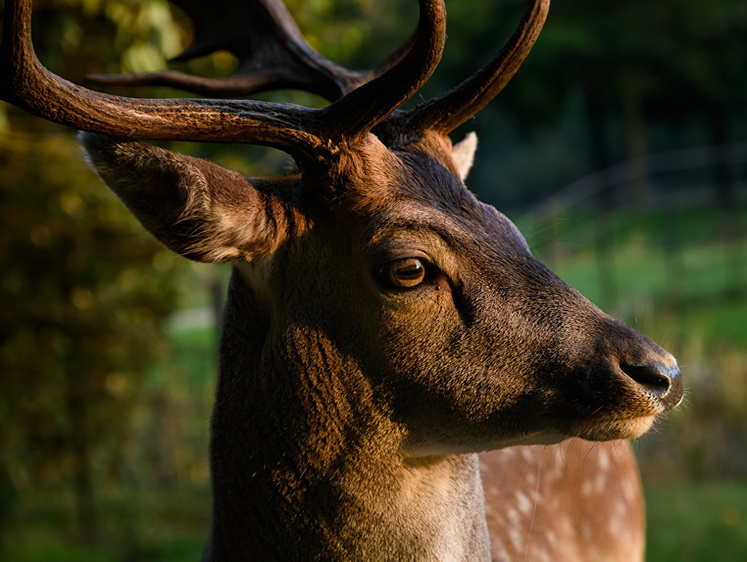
665, 384
651, 376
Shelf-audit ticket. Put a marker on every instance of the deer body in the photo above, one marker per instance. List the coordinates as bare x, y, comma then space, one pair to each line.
382, 325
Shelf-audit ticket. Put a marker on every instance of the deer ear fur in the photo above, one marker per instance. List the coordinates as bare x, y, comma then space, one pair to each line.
196, 208
464, 154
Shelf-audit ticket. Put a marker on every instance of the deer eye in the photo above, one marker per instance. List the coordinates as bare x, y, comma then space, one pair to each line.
405, 273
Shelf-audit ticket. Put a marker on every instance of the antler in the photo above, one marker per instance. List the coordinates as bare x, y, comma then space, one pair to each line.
272, 53
446, 113
303, 68
299, 131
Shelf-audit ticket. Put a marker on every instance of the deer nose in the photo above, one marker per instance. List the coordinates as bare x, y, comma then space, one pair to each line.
662, 381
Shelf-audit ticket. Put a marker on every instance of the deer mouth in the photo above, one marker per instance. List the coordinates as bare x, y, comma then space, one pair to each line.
604, 427
607, 430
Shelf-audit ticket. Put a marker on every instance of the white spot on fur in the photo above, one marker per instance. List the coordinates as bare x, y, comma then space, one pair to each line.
552, 539
604, 460
599, 482
630, 490
513, 517
586, 488
523, 503
613, 525
586, 530
621, 509
515, 537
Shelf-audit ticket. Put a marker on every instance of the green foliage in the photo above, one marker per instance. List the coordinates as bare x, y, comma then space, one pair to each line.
673, 257
79, 320
698, 522
635, 52
80, 317
137, 524
332, 27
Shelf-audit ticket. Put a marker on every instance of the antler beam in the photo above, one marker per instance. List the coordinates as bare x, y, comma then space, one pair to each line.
385, 93
296, 130
27, 84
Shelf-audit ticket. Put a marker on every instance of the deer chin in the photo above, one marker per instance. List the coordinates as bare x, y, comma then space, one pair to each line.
608, 430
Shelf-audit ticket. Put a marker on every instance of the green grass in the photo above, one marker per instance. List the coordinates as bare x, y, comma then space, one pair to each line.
192, 359
686, 522
132, 524
697, 522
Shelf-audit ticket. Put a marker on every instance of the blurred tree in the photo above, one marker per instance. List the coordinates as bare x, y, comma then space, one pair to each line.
79, 321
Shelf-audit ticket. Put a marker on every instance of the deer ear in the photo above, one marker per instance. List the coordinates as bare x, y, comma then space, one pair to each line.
196, 208
464, 154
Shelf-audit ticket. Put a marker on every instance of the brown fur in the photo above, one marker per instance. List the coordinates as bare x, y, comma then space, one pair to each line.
348, 412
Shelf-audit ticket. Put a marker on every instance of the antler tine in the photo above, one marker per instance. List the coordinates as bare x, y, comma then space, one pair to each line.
27, 84
384, 94
272, 53
446, 113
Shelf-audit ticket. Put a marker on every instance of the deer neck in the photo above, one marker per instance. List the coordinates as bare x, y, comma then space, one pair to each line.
306, 465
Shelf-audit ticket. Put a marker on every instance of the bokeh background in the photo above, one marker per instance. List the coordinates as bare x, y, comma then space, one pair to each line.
620, 150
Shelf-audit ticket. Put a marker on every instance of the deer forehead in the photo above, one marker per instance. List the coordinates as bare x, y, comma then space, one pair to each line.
474, 243
379, 205
367, 175
449, 231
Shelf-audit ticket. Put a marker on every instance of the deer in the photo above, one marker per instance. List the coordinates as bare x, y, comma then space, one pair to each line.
399, 378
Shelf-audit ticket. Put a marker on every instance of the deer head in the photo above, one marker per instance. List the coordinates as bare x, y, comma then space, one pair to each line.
380, 318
